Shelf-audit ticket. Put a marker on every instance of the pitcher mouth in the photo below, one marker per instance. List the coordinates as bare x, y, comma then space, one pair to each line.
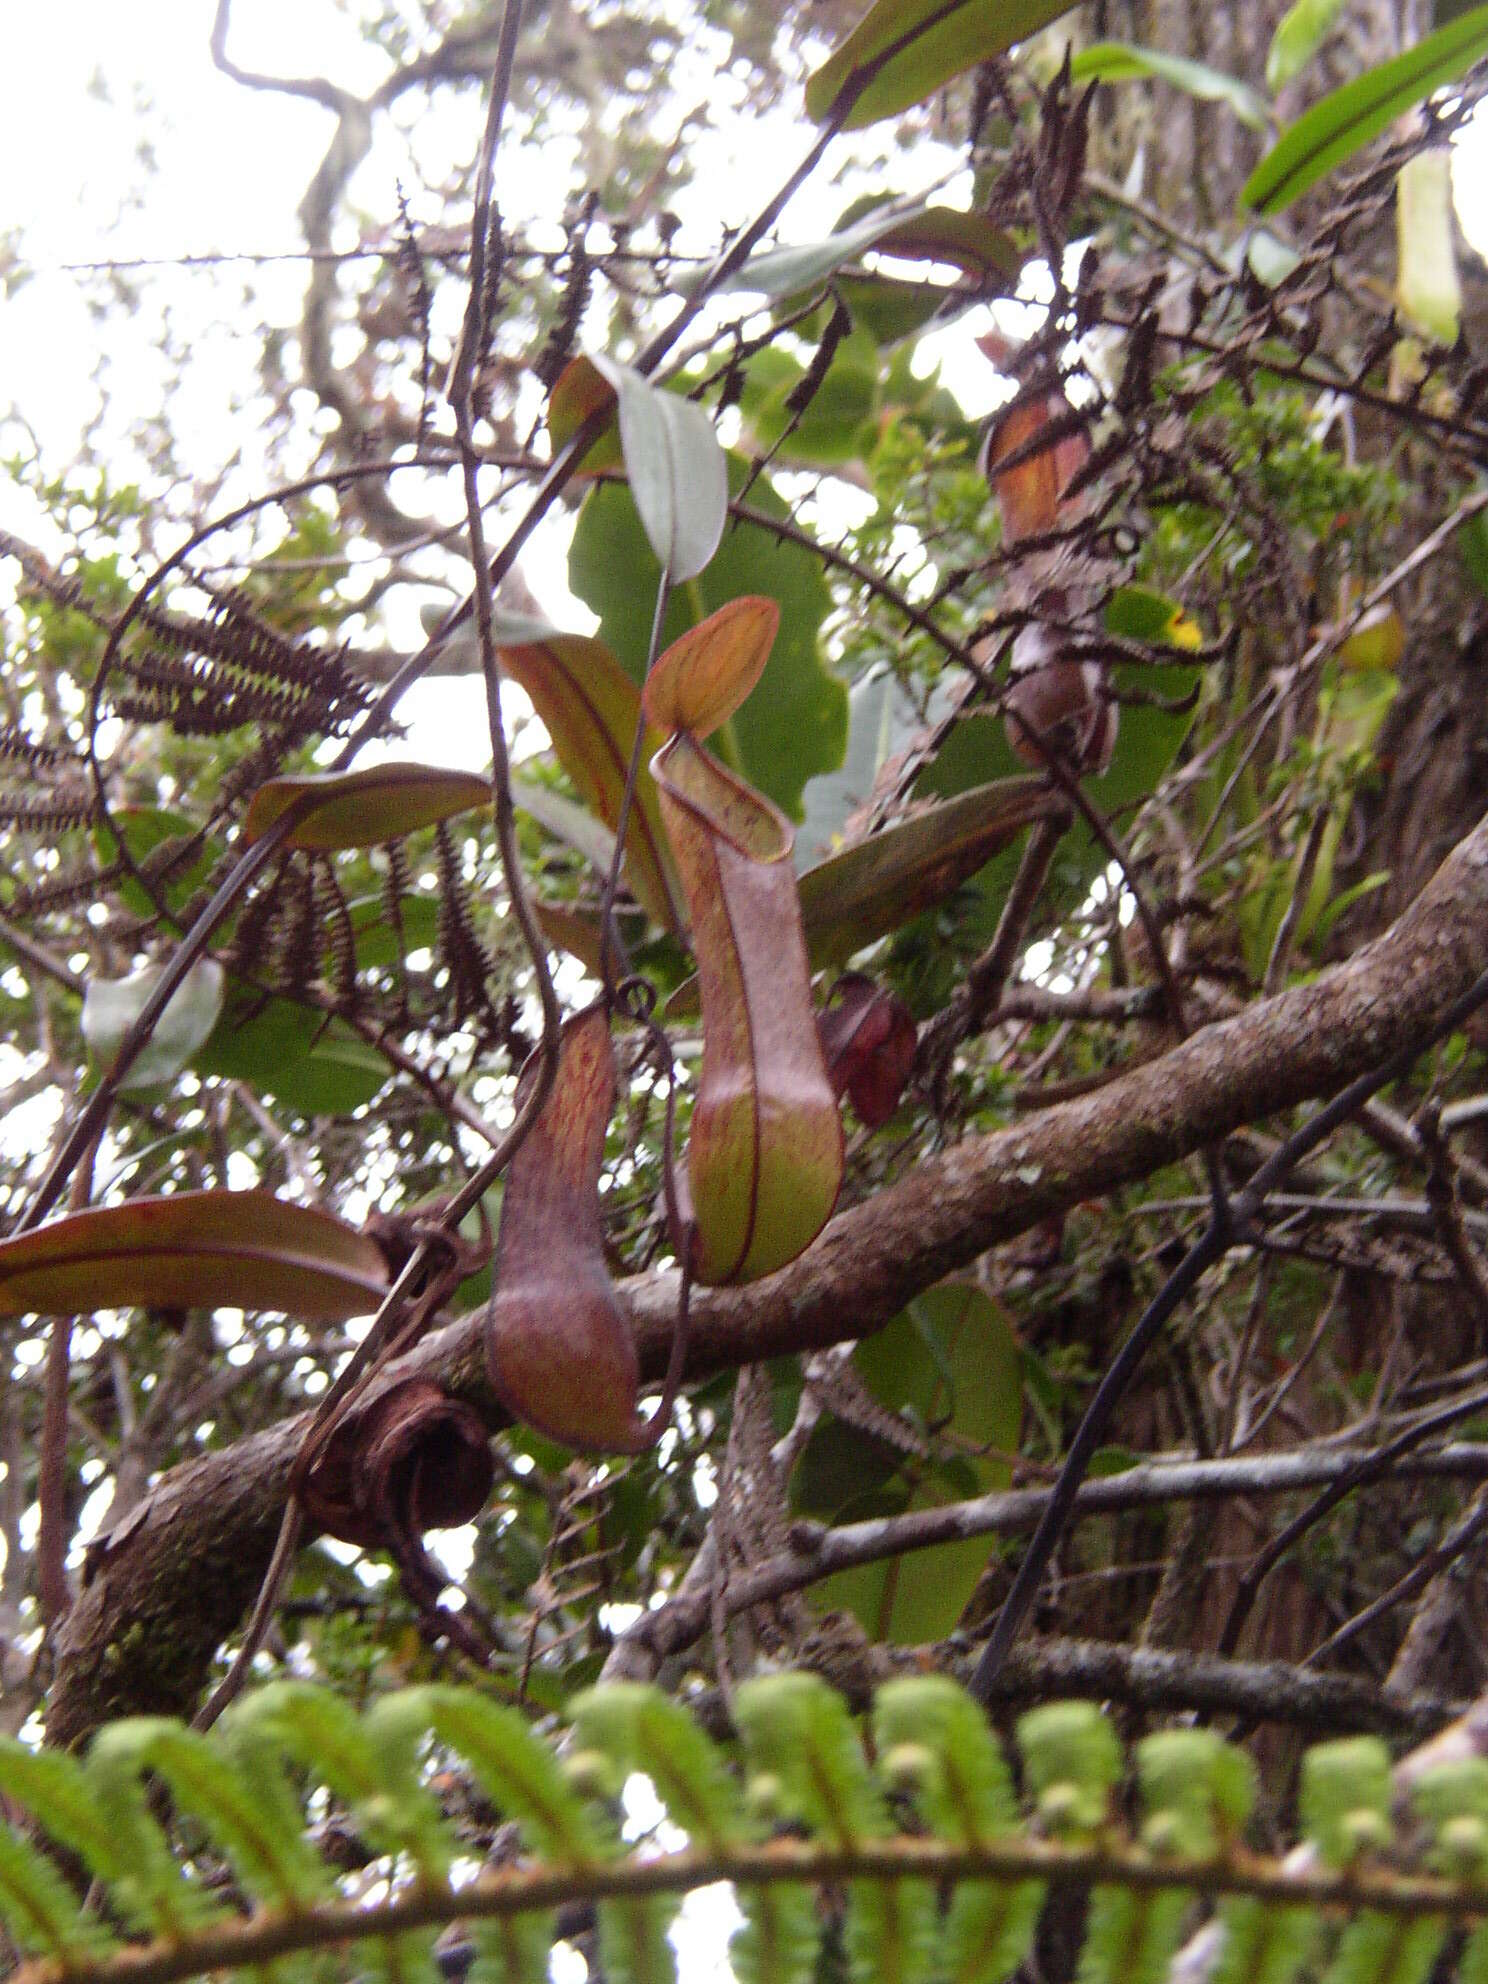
722, 802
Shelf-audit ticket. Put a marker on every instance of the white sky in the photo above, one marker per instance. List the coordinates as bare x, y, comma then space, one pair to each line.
232, 165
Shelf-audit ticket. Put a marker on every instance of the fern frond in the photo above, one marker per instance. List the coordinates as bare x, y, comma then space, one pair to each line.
641, 1729
961, 1904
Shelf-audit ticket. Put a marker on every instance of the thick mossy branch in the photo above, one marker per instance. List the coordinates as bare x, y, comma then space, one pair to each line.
943, 1874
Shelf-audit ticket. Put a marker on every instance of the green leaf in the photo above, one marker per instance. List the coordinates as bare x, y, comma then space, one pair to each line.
783, 272
334, 810
1121, 62
881, 721
377, 941
112, 1005
795, 723
875, 885
765, 1145
291, 1052
904, 50
841, 417
920, 233
147, 831
1137, 613
249, 1250
1428, 288
675, 467
1472, 548
950, 1361
1349, 117
1299, 35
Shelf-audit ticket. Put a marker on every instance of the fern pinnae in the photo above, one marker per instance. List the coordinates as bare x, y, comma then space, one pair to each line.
54, 1789
368, 1762
242, 1801
934, 1742
147, 1884
640, 1728
948, 1757
780, 1935
38, 1909
1264, 1942
515, 1771
1387, 1949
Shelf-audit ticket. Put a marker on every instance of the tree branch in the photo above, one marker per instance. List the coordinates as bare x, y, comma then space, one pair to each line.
158, 1599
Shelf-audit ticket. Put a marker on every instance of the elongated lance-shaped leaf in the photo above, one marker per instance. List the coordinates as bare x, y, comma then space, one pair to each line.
559, 1351
855, 897
705, 675
516, 1771
675, 467
1120, 61
1347, 119
334, 810
916, 233
904, 50
1300, 33
764, 1156
640, 1728
590, 708
194, 1250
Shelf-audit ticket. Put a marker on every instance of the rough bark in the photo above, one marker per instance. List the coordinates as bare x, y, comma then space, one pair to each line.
164, 1590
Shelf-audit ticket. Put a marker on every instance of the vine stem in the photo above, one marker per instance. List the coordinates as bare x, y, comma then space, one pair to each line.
1014, 1858
1227, 1223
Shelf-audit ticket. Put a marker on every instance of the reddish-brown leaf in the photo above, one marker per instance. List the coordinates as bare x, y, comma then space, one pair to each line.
590, 708
245, 1250
1030, 492
704, 677
559, 1350
868, 1039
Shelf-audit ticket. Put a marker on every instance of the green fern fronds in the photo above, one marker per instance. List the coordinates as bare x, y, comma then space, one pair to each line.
169, 1855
